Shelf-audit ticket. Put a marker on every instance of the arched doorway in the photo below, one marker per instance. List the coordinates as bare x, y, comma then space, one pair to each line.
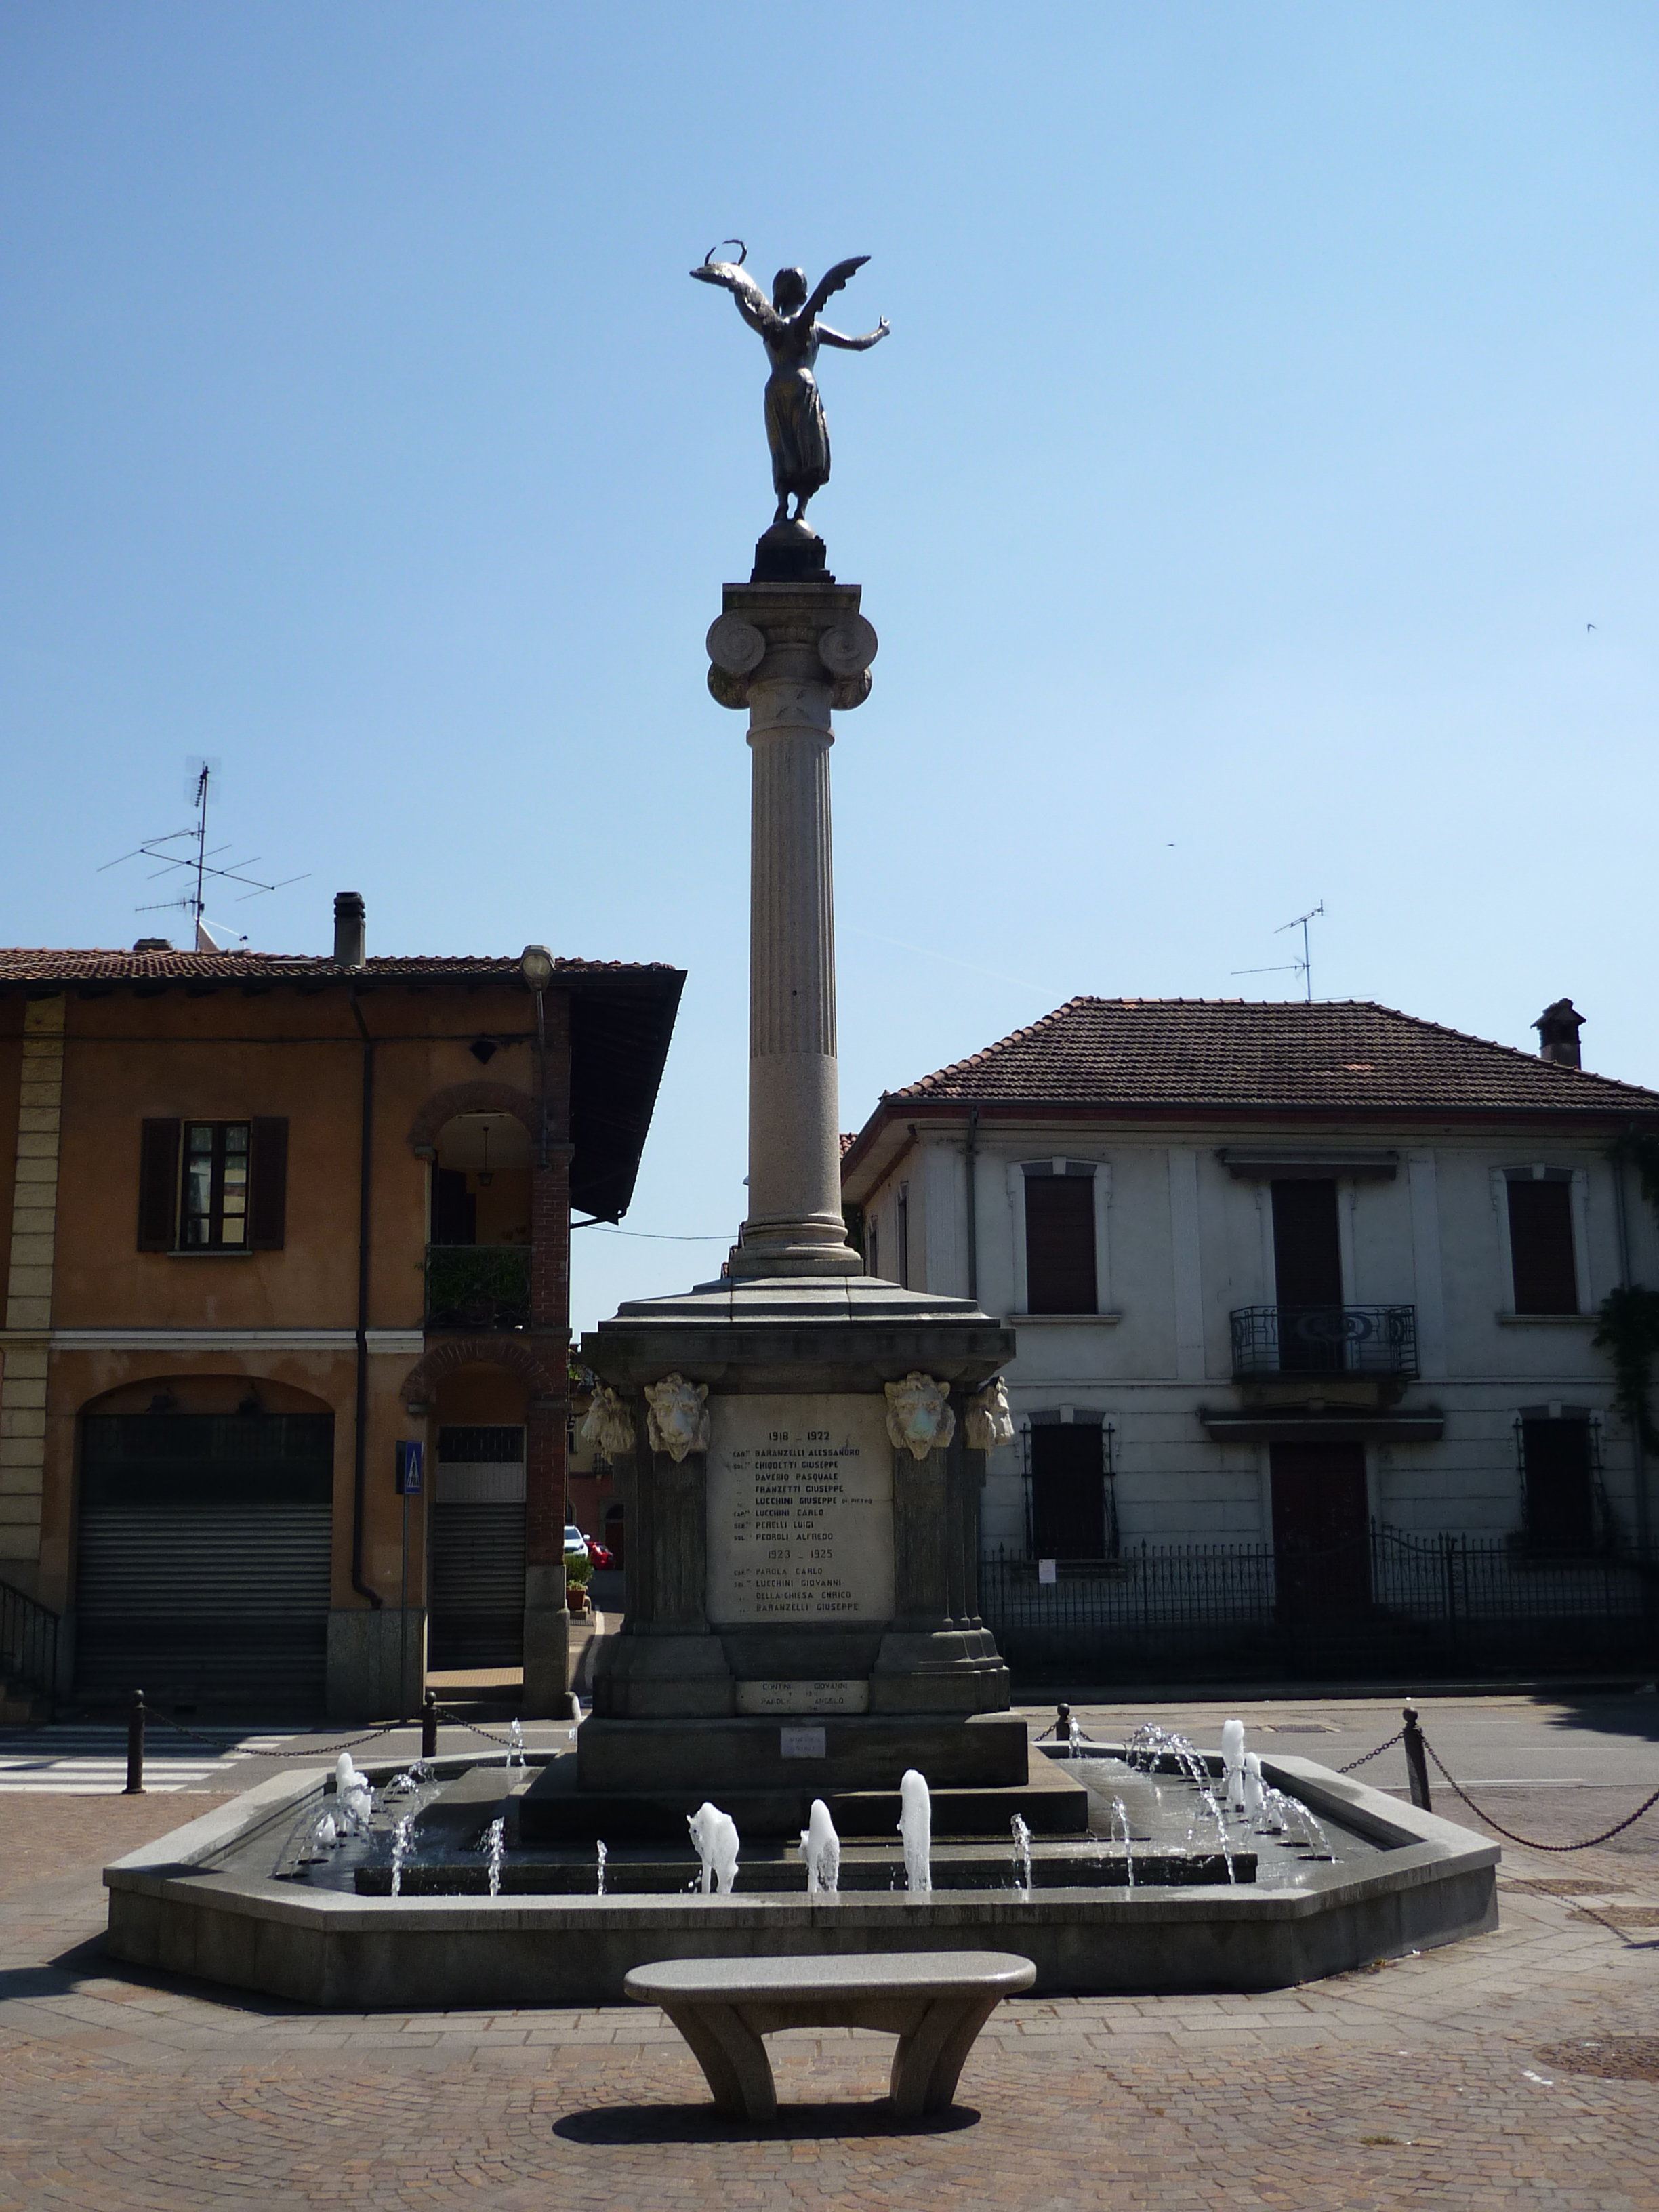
205, 1530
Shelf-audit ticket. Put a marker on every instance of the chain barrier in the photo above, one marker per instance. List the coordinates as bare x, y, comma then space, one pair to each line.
1366, 1757
1526, 1842
156, 1720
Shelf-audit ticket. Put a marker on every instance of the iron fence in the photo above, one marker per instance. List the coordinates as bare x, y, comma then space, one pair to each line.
1392, 1599
1271, 1340
478, 1286
29, 1642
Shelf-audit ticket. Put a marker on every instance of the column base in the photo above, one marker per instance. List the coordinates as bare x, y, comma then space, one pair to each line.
755, 1262
376, 1663
546, 1644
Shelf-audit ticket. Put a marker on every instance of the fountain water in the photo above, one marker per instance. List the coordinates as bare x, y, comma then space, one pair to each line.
603, 1855
353, 1795
1121, 1817
1253, 1789
495, 1844
1021, 1855
715, 1835
1207, 1799
400, 1852
820, 1847
1232, 1758
916, 1827
515, 1744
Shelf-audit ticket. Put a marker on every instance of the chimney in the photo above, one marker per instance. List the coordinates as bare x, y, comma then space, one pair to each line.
1558, 1029
349, 920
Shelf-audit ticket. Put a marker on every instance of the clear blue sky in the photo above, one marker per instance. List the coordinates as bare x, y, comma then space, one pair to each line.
1270, 406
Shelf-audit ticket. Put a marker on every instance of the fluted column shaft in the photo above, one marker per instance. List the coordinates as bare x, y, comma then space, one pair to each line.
789, 653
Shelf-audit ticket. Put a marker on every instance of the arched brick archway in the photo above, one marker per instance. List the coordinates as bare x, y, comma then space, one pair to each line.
470, 1098
421, 1383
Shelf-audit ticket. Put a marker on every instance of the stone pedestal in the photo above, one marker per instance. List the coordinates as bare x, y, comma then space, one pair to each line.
796, 1577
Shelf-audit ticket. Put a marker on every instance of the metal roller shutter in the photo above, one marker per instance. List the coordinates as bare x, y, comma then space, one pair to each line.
475, 1620
205, 1549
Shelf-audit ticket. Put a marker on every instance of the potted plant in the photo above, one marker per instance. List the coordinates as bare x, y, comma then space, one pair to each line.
576, 1573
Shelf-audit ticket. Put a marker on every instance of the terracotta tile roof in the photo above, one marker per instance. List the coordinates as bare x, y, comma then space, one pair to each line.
24, 965
1348, 1054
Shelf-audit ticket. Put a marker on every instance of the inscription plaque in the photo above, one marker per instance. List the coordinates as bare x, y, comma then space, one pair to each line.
801, 1510
830, 1697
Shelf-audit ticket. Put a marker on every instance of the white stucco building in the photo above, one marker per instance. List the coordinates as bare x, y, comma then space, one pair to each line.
1281, 1275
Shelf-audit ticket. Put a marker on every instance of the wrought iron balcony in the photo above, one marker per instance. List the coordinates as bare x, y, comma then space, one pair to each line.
1304, 1340
478, 1286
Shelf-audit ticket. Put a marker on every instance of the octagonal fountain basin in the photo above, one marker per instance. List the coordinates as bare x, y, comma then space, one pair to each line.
427, 1899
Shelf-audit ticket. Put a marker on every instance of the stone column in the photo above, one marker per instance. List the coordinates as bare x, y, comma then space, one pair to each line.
790, 652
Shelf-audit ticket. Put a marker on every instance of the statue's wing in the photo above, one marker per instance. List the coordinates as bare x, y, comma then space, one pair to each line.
743, 286
842, 273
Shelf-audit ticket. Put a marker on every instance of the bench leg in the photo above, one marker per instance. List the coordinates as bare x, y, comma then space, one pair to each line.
928, 2062
732, 2057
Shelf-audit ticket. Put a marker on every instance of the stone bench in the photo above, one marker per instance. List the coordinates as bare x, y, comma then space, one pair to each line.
935, 2002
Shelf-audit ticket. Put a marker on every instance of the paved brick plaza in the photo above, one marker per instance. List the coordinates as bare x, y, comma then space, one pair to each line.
1442, 2079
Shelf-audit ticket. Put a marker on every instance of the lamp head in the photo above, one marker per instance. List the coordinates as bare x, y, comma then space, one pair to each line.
536, 963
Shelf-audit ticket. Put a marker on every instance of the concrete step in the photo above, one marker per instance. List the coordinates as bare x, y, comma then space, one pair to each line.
556, 1809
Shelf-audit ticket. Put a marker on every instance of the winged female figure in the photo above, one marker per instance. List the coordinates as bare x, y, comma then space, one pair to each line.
789, 327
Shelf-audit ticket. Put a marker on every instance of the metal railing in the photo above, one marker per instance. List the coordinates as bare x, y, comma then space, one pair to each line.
1388, 1599
29, 1642
1276, 1340
478, 1286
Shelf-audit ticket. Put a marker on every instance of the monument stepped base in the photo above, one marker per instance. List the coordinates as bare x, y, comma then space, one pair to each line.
859, 1750
560, 1807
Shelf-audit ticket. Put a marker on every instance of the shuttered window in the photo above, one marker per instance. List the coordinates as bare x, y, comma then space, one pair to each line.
1559, 1470
1070, 1510
158, 1186
1541, 1241
213, 1186
1060, 1238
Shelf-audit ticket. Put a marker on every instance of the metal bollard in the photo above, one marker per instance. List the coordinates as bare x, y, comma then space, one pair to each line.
1417, 1766
429, 1726
135, 1747
1062, 1724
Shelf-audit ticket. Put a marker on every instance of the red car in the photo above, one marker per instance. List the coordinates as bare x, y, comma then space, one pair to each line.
598, 1555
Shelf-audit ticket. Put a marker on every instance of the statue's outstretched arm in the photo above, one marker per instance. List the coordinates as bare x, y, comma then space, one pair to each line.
753, 305
853, 345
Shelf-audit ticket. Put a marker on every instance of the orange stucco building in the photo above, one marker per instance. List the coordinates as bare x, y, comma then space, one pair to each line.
263, 1220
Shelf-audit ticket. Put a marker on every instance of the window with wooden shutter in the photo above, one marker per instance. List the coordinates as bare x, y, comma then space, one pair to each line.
268, 1184
1557, 1469
1541, 1253
158, 1186
1060, 1239
1069, 1512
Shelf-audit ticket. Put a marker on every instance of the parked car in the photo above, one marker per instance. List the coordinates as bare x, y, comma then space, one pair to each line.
599, 1553
576, 1544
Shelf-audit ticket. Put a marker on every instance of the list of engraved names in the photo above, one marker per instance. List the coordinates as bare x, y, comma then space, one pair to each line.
801, 1510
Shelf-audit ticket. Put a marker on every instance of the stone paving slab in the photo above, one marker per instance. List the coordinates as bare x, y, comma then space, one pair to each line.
1421, 2081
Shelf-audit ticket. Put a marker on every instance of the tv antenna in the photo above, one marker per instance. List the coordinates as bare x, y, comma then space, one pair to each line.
189, 850
1303, 967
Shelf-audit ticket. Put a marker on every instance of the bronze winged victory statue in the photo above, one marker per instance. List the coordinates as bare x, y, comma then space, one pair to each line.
789, 328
